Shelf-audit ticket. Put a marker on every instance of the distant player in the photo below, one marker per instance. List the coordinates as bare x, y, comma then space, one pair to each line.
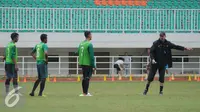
127, 63
86, 61
40, 54
119, 65
11, 66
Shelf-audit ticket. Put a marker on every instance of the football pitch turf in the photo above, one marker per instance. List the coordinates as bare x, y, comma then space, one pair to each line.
109, 97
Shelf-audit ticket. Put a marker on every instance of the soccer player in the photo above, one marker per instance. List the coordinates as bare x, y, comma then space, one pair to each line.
86, 61
11, 66
119, 65
40, 54
160, 54
127, 63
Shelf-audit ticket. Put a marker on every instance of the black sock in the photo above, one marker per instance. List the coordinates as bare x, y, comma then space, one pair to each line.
37, 82
7, 89
15, 84
7, 85
86, 86
42, 86
83, 85
16, 88
147, 86
161, 88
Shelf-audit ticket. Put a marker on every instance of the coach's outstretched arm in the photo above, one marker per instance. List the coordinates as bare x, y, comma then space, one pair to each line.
178, 47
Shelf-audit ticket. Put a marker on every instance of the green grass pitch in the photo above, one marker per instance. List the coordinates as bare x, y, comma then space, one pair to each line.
109, 97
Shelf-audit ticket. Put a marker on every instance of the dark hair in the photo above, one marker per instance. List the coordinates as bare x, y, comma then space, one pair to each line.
162, 34
43, 37
14, 35
87, 33
120, 58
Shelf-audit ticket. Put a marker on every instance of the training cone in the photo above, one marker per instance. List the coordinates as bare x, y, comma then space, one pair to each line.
18, 80
130, 78
113, 78
142, 78
170, 78
48, 79
78, 79
54, 79
146, 76
104, 78
24, 78
120, 77
198, 79
173, 77
195, 77
189, 78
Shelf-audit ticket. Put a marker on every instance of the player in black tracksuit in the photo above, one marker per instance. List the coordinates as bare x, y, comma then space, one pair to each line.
160, 54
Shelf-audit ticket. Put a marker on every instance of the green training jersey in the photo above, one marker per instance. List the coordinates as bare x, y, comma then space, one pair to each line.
40, 50
11, 53
86, 54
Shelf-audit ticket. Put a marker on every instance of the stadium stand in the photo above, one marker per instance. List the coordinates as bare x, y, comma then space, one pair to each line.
100, 15
167, 4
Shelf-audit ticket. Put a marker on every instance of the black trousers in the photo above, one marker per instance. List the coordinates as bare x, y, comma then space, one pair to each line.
153, 70
117, 68
87, 71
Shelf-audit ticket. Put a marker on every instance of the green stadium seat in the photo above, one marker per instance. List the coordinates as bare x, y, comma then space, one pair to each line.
85, 2
50, 2
98, 22
71, 2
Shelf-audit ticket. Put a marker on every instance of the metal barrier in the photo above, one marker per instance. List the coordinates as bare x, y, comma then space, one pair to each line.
68, 65
100, 20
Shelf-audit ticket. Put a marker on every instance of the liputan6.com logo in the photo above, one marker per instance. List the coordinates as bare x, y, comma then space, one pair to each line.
12, 98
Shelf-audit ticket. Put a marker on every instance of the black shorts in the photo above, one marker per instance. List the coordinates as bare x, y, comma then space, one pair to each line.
87, 71
10, 71
117, 67
42, 71
153, 70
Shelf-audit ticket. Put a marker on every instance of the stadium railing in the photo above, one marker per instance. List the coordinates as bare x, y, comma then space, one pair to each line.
99, 20
68, 65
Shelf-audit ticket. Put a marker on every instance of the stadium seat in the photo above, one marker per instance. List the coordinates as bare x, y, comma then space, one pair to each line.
112, 17
182, 4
